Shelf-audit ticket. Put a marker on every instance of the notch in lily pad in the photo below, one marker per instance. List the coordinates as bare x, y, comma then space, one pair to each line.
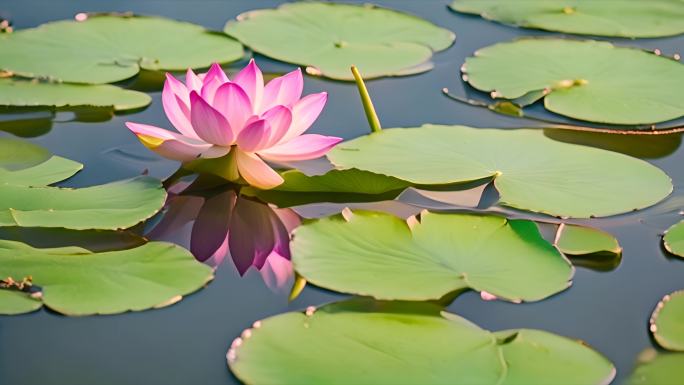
428, 257
410, 342
329, 37
642, 89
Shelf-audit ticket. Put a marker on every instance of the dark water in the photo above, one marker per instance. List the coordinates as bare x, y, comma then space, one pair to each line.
186, 343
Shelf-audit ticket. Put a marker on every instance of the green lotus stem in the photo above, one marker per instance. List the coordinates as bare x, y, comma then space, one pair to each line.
372, 116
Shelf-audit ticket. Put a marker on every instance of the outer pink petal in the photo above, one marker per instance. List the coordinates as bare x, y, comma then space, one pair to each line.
233, 102
215, 72
192, 81
175, 100
304, 113
256, 172
252, 81
208, 123
168, 144
279, 118
303, 147
284, 90
255, 136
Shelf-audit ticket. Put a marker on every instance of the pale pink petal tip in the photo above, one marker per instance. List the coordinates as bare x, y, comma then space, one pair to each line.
256, 172
304, 147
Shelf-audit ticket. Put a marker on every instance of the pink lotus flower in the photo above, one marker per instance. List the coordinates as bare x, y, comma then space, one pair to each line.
216, 116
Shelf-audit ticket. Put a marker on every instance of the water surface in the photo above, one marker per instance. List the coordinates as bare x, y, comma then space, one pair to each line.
186, 343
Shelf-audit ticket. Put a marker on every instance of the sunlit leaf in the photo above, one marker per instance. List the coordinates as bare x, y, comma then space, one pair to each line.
623, 18
530, 171
588, 80
338, 186
658, 368
17, 302
365, 342
331, 37
116, 205
667, 322
110, 48
385, 257
55, 169
582, 240
22, 93
674, 239
18, 154
75, 281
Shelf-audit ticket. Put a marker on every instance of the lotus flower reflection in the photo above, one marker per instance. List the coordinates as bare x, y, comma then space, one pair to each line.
242, 118
224, 224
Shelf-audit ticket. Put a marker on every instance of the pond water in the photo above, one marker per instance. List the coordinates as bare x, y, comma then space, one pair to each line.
186, 343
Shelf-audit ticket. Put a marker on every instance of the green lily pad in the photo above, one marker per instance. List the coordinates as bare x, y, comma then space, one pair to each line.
588, 80
582, 240
105, 49
667, 322
24, 93
621, 18
331, 37
18, 154
111, 206
336, 186
382, 256
658, 368
674, 239
405, 343
24, 163
17, 302
530, 171
75, 281
55, 169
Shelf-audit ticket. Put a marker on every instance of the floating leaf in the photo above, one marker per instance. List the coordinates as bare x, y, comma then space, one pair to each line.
622, 18
674, 239
382, 256
582, 240
17, 302
658, 368
24, 163
18, 154
105, 49
23, 93
337, 186
93, 240
588, 80
116, 205
55, 169
530, 171
331, 37
405, 343
75, 281
667, 322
